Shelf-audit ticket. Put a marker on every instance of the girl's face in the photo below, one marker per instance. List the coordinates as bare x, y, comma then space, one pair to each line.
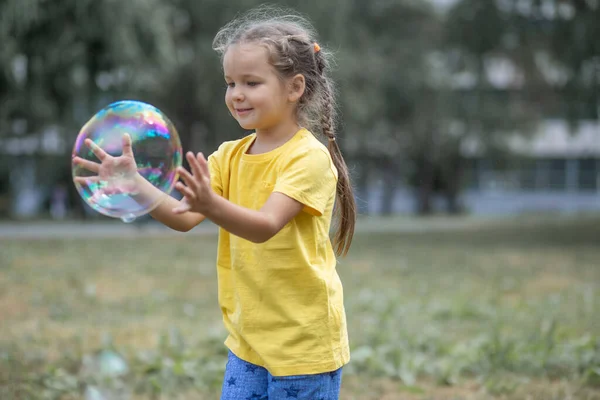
256, 97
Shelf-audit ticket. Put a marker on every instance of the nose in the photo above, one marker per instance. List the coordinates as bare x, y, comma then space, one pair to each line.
237, 94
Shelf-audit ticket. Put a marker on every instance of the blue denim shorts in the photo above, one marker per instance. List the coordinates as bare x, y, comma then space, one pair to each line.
246, 381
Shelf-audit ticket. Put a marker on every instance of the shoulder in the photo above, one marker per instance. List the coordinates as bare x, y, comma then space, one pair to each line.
308, 146
308, 141
309, 153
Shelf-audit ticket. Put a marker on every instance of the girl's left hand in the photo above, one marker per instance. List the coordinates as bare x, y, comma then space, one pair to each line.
197, 192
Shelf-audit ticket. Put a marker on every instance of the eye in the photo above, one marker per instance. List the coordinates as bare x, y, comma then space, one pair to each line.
229, 85
253, 83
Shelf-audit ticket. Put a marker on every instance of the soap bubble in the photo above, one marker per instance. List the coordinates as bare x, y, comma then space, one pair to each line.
121, 149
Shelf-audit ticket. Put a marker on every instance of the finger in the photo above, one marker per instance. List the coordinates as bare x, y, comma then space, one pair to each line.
188, 178
87, 164
195, 167
186, 191
101, 154
127, 150
182, 207
97, 196
203, 165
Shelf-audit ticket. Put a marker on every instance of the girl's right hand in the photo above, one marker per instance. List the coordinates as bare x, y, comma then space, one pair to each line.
114, 174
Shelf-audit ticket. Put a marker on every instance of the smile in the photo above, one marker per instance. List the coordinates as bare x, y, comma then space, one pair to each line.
243, 111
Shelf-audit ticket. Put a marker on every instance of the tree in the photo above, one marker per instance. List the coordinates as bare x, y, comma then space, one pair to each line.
473, 103
575, 51
58, 55
63, 61
385, 47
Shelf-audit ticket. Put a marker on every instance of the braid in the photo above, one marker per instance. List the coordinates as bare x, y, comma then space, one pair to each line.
346, 206
327, 117
327, 111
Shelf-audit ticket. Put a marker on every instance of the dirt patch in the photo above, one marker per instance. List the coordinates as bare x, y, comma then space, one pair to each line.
551, 283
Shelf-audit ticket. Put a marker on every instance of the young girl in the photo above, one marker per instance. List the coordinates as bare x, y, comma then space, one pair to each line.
272, 193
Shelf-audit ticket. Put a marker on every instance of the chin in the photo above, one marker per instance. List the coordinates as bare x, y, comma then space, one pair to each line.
248, 127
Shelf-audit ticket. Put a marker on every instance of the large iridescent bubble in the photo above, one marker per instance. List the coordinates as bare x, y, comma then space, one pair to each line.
107, 178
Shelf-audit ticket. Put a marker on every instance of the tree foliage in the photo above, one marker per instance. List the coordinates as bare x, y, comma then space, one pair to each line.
415, 84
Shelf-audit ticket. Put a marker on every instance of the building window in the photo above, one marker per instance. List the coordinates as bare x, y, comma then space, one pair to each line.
557, 174
588, 173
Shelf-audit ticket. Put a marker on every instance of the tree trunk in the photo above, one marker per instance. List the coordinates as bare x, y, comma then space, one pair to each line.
453, 205
425, 176
26, 197
390, 184
452, 184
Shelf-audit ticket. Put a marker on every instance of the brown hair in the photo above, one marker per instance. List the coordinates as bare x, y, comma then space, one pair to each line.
290, 40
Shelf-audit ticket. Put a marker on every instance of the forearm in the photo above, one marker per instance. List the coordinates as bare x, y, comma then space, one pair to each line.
252, 225
164, 211
164, 214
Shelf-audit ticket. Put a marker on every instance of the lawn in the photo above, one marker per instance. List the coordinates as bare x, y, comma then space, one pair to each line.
506, 309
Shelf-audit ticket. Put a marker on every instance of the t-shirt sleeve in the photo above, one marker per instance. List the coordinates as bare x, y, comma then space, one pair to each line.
215, 172
309, 178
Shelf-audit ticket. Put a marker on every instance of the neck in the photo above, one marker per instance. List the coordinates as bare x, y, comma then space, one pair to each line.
271, 138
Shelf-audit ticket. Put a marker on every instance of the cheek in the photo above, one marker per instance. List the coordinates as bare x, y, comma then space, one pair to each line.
228, 99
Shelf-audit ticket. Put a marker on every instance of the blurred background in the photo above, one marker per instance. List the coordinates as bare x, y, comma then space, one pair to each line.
481, 115
448, 106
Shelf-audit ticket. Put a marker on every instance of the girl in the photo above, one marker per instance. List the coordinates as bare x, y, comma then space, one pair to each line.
272, 194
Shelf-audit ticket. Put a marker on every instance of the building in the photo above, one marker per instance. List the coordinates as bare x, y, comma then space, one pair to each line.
554, 170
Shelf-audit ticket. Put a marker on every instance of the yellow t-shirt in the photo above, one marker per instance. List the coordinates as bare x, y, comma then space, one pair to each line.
282, 300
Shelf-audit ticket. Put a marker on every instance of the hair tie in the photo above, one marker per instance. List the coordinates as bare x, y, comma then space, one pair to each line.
331, 138
317, 47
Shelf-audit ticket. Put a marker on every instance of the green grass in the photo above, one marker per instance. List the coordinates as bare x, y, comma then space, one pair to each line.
465, 309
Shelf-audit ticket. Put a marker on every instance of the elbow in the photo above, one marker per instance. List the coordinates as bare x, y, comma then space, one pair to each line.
259, 239
263, 236
188, 224
182, 228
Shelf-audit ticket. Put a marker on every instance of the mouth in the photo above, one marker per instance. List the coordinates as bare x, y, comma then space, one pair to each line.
243, 111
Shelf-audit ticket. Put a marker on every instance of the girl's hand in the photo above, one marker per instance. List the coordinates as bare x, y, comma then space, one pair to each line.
197, 192
115, 174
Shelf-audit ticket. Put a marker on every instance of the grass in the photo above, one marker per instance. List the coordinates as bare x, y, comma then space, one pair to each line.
478, 310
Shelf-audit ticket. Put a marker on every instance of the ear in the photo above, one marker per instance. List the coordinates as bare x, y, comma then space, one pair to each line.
296, 87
